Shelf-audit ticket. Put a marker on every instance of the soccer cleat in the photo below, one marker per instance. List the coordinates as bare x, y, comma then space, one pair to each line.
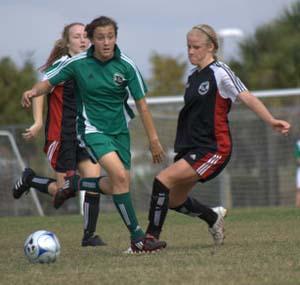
68, 190
92, 241
220, 210
21, 186
217, 230
148, 244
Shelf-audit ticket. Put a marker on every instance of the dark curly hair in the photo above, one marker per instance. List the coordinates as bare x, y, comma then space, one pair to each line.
101, 21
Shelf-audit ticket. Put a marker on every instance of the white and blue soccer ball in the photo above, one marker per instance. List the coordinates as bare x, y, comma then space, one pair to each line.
42, 247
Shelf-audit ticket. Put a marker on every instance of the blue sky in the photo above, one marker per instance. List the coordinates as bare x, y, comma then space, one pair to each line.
32, 26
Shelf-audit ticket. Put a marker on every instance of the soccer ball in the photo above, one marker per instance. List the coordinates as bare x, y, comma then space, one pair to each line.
42, 247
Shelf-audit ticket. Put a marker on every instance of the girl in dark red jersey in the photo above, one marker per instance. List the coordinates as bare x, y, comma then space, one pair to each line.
203, 142
61, 146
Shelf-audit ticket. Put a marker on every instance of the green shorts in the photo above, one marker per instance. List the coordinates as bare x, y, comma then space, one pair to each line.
100, 144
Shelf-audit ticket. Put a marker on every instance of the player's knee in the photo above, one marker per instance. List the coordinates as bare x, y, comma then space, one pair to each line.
120, 178
177, 198
166, 178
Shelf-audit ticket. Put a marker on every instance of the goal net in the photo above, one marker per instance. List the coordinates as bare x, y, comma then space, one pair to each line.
262, 168
261, 172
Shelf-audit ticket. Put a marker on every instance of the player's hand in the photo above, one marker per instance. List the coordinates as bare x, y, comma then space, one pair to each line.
281, 126
157, 151
27, 97
32, 132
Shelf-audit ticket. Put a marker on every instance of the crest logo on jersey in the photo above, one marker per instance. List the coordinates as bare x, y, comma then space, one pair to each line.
203, 88
119, 79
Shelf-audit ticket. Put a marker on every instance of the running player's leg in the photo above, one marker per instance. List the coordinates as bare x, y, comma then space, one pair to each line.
62, 158
91, 204
42, 184
114, 156
120, 179
29, 179
190, 206
175, 182
163, 194
206, 165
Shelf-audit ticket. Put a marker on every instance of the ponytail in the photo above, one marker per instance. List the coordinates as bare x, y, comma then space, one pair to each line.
59, 49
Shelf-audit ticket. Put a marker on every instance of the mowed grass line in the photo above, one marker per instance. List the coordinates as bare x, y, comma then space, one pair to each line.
262, 247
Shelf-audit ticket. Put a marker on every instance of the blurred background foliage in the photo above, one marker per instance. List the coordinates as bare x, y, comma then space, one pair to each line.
268, 59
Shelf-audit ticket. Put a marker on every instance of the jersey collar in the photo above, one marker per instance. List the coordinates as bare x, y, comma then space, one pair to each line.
207, 66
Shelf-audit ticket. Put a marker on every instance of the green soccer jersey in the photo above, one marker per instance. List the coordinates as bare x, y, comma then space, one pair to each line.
102, 90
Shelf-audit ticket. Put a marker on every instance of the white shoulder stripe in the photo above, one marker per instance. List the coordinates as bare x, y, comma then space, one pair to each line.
63, 64
128, 60
235, 80
63, 58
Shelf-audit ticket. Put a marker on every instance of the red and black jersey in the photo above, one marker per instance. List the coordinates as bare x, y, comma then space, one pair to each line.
61, 115
203, 120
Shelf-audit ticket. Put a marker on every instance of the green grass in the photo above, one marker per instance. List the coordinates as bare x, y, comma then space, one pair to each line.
262, 246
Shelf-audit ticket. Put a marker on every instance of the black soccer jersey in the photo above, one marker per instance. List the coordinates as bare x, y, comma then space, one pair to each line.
203, 121
61, 116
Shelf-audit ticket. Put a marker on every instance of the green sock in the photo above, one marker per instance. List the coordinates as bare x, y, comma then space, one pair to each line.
124, 205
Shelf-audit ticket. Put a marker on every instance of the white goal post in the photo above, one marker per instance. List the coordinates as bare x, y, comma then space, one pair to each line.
260, 94
22, 166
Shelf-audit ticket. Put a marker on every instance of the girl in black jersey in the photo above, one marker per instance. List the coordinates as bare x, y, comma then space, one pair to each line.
61, 145
203, 142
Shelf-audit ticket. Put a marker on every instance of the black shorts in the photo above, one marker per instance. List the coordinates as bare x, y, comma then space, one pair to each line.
65, 155
207, 164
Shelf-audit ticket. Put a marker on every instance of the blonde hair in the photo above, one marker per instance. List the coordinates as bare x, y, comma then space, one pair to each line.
211, 36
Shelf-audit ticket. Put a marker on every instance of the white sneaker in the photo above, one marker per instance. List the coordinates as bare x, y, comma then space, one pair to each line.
217, 230
220, 211
128, 251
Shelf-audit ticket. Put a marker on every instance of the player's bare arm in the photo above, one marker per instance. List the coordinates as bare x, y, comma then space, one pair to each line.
260, 109
40, 88
155, 146
37, 111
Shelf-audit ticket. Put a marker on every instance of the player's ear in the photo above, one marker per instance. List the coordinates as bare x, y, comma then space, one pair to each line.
210, 46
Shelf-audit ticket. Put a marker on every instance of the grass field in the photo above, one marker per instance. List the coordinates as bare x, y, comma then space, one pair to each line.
262, 247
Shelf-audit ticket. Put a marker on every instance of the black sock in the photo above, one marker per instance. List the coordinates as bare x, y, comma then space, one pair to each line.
193, 208
90, 212
91, 184
158, 208
40, 183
